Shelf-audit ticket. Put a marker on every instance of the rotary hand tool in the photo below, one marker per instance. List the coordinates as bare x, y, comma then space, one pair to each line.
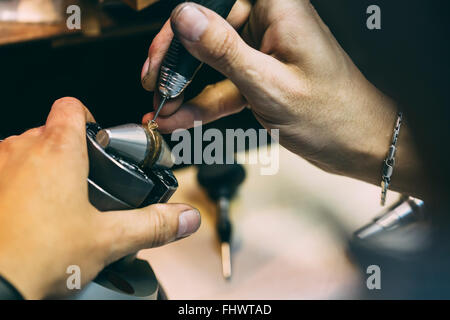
179, 66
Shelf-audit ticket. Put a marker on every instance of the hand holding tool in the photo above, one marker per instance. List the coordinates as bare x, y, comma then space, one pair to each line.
179, 66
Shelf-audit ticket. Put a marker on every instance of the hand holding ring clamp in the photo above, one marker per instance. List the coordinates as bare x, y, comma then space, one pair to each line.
129, 167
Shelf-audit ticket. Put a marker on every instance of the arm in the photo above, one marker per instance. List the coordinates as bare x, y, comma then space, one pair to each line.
46, 220
289, 69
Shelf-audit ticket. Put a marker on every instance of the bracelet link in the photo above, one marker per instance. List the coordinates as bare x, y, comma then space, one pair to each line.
392, 151
389, 162
388, 169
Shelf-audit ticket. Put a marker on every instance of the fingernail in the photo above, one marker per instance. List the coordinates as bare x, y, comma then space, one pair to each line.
188, 223
145, 68
189, 22
147, 79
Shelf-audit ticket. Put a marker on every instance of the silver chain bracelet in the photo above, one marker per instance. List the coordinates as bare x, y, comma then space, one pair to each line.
389, 162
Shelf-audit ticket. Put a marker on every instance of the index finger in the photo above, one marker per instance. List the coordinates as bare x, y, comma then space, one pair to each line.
68, 118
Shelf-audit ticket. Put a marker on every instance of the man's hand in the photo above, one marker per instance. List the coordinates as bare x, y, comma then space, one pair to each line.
46, 220
289, 69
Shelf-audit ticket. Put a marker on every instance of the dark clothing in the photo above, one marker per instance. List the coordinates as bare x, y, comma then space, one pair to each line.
7, 291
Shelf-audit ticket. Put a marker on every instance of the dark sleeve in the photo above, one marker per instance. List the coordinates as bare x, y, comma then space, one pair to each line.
7, 291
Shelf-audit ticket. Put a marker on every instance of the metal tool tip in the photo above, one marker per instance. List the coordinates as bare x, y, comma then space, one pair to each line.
152, 125
161, 105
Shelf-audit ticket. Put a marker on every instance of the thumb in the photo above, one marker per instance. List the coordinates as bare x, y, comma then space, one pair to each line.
212, 40
130, 231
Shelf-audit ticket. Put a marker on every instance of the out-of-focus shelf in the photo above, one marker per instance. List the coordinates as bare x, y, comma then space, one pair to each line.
15, 32
108, 19
140, 4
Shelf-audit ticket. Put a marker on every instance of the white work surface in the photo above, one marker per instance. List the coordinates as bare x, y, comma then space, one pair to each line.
287, 243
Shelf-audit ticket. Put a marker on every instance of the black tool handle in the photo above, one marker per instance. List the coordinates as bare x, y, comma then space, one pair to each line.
221, 180
224, 227
177, 58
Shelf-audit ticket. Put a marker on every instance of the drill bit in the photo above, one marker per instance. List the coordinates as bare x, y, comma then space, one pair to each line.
161, 105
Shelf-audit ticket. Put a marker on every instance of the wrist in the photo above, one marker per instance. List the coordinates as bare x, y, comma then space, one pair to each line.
367, 142
370, 145
354, 141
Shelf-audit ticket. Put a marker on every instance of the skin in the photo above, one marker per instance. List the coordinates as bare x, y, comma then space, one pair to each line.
46, 220
288, 68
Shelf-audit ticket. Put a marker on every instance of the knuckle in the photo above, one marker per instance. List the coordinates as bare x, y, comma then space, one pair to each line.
67, 101
159, 225
68, 107
33, 131
68, 116
9, 140
225, 53
210, 93
209, 88
58, 134
8, 144
58, 139
220, 99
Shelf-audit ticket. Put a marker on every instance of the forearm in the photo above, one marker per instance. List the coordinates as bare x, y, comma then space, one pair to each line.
362, 139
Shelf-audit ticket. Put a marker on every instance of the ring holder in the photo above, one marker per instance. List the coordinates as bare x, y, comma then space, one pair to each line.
116, 184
